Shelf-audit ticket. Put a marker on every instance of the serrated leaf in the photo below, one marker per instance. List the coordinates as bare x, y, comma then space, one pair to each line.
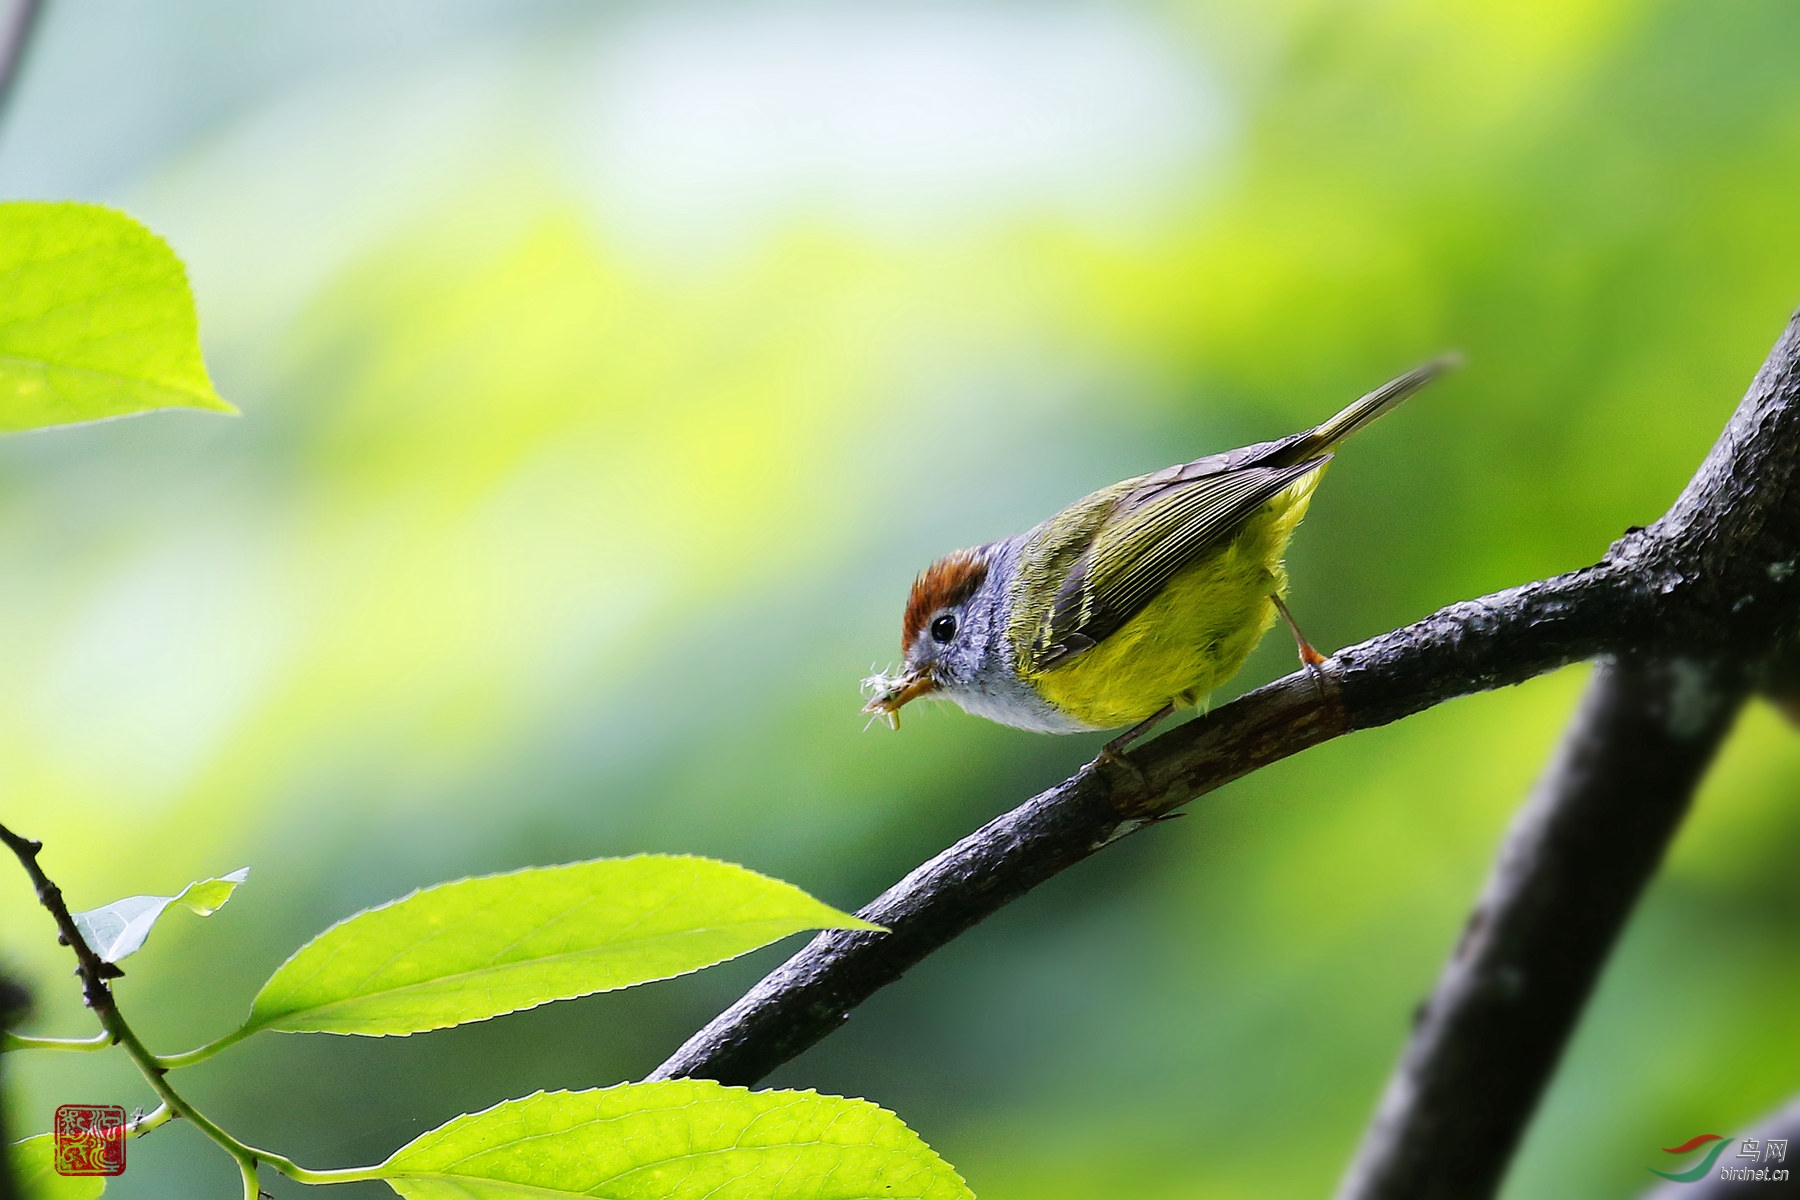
118, 929
684, 1139
477, 948
96, 319
34, 1166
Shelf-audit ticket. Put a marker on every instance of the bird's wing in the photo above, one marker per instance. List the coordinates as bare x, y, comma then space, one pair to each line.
1150, 535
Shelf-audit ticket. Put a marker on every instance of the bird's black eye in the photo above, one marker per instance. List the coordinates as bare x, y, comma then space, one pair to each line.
943, 629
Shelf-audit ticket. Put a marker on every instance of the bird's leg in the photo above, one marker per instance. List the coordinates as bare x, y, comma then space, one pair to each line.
1114, 751
1309, 657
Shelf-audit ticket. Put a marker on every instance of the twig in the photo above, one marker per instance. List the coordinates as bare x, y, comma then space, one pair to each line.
15, 36
97, 995
95, 972
95, 975
1714, 581
1568, 875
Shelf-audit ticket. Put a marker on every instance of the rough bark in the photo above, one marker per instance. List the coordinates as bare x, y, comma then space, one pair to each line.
1572, 867
1716, 579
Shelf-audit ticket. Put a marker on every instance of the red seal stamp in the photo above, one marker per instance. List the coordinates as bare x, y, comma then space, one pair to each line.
90, 1139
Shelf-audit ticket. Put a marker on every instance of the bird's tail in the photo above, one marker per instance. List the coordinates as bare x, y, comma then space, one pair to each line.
1382, 400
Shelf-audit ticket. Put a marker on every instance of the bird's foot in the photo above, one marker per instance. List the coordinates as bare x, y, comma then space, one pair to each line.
1114, 751
1309, 657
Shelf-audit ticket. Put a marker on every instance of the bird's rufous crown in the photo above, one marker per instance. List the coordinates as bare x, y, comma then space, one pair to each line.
948, 581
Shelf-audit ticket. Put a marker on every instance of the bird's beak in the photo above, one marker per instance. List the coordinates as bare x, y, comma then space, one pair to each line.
892, 694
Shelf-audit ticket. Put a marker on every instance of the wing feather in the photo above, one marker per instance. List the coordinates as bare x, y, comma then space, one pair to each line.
1152, 533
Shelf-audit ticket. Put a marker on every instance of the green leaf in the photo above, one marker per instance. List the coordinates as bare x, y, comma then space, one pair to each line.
34, 1165
117, 929
686, 1139
477, 948
96, 319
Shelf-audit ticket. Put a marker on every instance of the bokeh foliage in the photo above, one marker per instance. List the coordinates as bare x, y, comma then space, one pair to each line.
546, 537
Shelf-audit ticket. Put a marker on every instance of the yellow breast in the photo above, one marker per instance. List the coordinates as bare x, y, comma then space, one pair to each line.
1194, 635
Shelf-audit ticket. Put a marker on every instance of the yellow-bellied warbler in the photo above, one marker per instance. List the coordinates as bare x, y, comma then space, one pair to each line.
1129, 603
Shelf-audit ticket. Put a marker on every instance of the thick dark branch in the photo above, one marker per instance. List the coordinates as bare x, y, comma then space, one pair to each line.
1719, 572
1714, 581
1568, 875
1736, 519
1486, 643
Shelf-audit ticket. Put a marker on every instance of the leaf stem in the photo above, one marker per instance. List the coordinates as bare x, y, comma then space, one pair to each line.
20, 1041
200, 1054
247, 1156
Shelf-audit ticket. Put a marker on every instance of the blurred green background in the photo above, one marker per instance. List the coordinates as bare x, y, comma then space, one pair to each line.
607, 373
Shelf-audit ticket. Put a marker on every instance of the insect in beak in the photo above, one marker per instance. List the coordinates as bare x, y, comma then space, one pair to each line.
892, 692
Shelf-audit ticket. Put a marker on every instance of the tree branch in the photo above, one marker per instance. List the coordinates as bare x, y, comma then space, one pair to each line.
94, 971
1500, 639
1715, 580
1719, 568
15, 35
1568, 875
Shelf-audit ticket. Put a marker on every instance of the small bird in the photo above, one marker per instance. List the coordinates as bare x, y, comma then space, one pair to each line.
1129, 603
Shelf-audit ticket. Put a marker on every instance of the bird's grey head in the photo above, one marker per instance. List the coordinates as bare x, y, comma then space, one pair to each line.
953, 632
955, 641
